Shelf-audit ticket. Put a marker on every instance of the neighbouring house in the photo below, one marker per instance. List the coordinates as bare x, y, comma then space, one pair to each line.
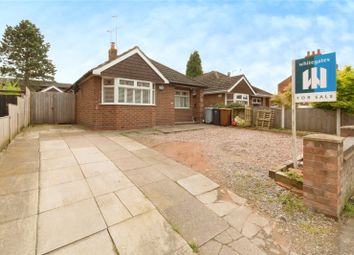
38, 85
226, 89
284, 84
132, 91
51, 89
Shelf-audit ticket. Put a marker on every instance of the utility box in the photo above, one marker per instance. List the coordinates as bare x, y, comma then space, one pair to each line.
225, 117
208, 115
216, 116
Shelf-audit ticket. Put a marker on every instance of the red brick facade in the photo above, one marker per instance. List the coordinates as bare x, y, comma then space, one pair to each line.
90, 112
213, 99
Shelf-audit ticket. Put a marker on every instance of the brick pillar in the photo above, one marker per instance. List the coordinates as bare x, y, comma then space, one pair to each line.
347, 131
323, 158
200, 105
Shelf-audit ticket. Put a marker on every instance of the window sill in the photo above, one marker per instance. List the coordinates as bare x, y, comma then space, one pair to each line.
182, 108
127, 104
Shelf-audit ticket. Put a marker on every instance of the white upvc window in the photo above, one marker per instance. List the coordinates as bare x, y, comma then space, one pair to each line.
257, 100
182, 99
127, 92
241, 98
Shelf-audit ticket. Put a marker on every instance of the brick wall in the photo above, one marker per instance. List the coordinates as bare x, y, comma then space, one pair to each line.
328, 172
347, 131
165, 101
90, 112
213, 99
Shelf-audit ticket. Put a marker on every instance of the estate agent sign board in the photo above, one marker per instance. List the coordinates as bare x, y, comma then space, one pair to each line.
315, 79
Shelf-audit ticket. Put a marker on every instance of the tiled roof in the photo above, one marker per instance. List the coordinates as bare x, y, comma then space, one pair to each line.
171, 75
217, 81
174, 76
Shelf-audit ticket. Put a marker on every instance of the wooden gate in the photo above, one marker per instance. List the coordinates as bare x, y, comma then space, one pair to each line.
52, 108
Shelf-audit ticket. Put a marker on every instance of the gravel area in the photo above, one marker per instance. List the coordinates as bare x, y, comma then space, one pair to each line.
239, 159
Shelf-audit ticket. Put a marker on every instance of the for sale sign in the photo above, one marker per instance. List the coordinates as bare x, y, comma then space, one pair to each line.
315, 79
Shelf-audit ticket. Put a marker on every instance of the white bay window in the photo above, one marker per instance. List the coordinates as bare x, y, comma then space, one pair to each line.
126, 91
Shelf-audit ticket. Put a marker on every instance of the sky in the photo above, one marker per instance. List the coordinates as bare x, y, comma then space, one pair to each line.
254, 37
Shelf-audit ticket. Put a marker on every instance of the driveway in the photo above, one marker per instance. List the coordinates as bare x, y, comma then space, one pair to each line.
65, 190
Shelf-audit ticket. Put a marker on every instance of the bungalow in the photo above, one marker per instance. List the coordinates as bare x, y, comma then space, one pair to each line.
225, 89
132, 91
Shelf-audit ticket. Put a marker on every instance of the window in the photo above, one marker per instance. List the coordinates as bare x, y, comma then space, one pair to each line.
257, 100
182, 99
124, 91
241, 98
108, 90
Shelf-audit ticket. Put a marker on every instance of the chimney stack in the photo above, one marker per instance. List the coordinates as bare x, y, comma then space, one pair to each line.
112, 53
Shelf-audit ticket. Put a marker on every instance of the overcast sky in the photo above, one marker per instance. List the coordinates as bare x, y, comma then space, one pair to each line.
257, 38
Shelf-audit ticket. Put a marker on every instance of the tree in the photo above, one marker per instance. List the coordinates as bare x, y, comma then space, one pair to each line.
283, 98
23, 54
194, 65
345, 92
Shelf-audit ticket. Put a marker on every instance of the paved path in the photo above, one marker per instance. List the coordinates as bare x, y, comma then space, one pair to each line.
70, 191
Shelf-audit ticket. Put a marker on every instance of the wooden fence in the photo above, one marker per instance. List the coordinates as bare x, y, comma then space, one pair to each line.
310, 119
4, 101
18, 118
52, 108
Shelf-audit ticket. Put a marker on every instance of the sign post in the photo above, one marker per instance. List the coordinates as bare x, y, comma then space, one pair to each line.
313, 80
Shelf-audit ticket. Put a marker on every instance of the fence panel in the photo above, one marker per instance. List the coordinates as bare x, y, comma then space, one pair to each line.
347, 119
4, 131
64, 108
4, 101
14, 120
52, 107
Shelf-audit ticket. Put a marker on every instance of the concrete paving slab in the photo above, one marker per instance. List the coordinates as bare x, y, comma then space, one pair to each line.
8, 167
198, 184
112, 209
107, 183
89, 150
77, 142
60, 176
63, 194
146, 175
165, 193
135, 201
53, 145
185, 250
18, 183
128, 143
99, 243
18, 205
90, 158
224, 238
19, 237
130, 163
195, 222
222, 208
209, 197
131, 238
98, 168
244, 247
175, 171
56, 163
118, 154
225, 250
56, 153
238, 217
249, 230
210, 248
68, 224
